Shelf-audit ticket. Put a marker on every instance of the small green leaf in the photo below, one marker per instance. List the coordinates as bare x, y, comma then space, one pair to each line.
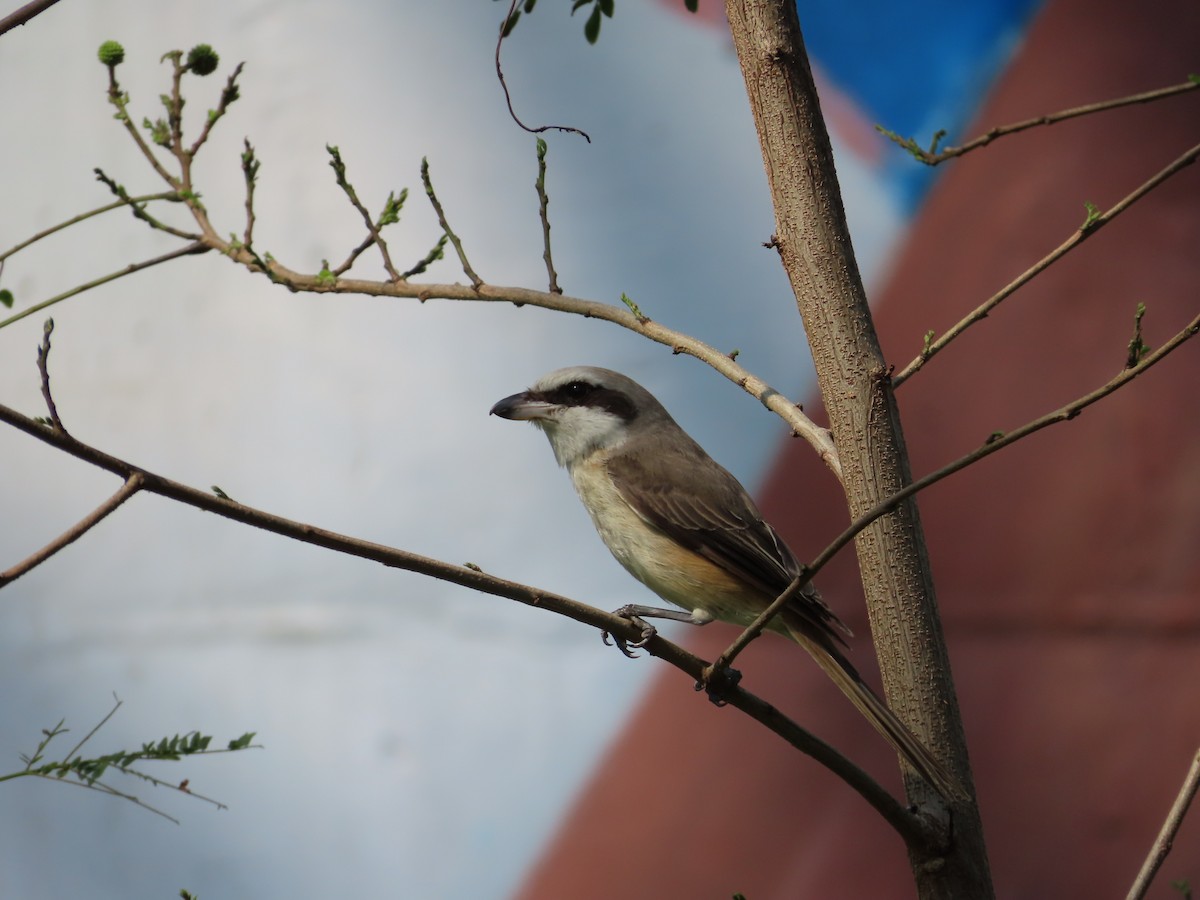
591, 28
1093, 215
6, 298
634, 308
510, 23
691, 5
529, 5
608, 7
391, 209
579, 4
325, 276
243, 742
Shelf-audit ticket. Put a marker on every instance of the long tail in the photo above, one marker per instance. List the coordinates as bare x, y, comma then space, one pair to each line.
844, 675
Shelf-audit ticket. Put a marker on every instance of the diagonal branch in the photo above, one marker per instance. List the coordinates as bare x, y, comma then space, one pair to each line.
1166, 836
933, 157
105, 279
373, 235
132, 485
1093, 224
1000, 440
24, 14
994, 443
83, 217
913, 829
441, 214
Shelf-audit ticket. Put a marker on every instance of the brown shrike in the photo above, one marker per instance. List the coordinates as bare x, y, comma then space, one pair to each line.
684, 527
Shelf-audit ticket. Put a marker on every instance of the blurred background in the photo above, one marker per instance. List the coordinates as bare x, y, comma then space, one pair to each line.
420, 740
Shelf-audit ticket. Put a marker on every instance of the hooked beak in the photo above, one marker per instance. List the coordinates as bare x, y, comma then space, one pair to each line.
522, 407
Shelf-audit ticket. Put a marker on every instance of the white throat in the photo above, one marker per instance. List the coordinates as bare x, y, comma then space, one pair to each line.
576, 433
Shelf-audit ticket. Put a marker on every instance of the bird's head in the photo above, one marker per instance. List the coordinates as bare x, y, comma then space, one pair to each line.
584, 409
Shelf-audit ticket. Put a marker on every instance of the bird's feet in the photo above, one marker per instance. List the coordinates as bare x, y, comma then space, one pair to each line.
630, 612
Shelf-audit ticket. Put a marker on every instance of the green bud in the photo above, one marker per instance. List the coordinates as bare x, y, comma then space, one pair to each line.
202, 59
111, 53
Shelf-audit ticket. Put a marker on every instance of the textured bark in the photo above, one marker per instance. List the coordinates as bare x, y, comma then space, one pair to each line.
814, 244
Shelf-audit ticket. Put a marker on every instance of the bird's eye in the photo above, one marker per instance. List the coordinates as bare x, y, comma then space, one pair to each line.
577, 389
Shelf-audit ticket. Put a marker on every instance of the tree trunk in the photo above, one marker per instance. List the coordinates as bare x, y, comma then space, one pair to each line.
814, 244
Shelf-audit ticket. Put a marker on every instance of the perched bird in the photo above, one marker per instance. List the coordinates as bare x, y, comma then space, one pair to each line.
684, 527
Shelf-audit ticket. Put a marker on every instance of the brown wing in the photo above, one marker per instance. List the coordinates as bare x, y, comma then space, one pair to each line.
719, 522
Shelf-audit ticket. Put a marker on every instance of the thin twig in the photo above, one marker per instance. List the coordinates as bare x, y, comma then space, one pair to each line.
543, 203
105, 279
1093, 224
436, 252
131, 486
228, 95
24, 14
913, 829
250, 167
508, 97
1070, 411
43, 364
1166, 835
437, 206
755, 628
120, 100
117, 702
83, 217
1000, 440
933, 157
374, 237
104, 788
139, 210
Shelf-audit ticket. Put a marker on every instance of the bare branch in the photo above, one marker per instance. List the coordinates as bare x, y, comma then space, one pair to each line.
755, 628
436, 252
914, 830
373, 235
43, 364
1091, 225
437, 206
933, 156
24, 14
228, 95
139, 210
504, 29
131, 486
999, 440
543, 203
105, 279
250, 167
125, 200
120, 100
1166, 835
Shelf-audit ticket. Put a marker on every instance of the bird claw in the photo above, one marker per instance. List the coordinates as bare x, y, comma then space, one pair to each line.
648, 631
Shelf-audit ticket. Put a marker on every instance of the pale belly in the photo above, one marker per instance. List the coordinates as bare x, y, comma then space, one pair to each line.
676, 575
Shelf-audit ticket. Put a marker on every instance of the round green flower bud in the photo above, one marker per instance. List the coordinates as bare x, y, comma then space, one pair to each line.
202, 59
111, 53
